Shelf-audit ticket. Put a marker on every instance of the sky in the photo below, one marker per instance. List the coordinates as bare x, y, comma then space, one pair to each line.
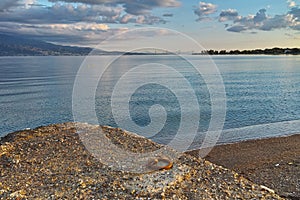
214, 24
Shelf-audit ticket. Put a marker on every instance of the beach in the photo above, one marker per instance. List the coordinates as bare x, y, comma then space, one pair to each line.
51, 162
274, 162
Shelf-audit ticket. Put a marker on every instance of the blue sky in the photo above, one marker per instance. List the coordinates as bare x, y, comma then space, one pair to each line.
215, 24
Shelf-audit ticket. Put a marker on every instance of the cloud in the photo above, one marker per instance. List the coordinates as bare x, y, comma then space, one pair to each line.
295, 12
10, 5
142, 7
293, 17
276, 22
69, 13
62, 13
67, 23
228, 15
205, 9
291, 3
77, 20
261, 21
150, 20
5, 5
168, 15
260, 16
78, 27
237, 28
134, 7
291, 36
83, 34
80, 34
141, 19
143, 33
29, 3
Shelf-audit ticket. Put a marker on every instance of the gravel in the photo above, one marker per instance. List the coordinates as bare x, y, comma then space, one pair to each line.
52, 162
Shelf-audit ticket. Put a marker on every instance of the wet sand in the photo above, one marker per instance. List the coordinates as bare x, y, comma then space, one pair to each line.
273, 162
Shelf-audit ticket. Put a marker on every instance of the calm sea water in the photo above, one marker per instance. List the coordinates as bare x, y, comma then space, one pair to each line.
262, 94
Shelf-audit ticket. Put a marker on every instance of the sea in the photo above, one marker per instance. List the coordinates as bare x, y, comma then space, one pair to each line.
241, 97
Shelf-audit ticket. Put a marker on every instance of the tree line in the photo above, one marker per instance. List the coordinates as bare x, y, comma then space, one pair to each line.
273, 51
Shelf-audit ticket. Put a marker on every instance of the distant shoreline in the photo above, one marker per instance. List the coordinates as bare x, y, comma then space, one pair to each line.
20, 46
151, 54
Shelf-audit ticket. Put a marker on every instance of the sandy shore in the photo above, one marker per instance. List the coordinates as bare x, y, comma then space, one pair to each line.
51, 162
274, 162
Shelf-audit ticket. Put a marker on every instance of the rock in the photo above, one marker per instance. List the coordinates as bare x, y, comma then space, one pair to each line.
52, 161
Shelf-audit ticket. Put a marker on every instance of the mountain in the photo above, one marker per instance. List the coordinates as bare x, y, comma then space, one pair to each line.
21, 46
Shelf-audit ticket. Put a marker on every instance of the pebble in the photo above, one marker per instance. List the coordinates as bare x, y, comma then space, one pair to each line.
53, 163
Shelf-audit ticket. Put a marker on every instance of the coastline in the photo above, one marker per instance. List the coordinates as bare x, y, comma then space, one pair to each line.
51, 161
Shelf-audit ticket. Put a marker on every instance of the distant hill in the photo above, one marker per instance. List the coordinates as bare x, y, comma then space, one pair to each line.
21, 46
